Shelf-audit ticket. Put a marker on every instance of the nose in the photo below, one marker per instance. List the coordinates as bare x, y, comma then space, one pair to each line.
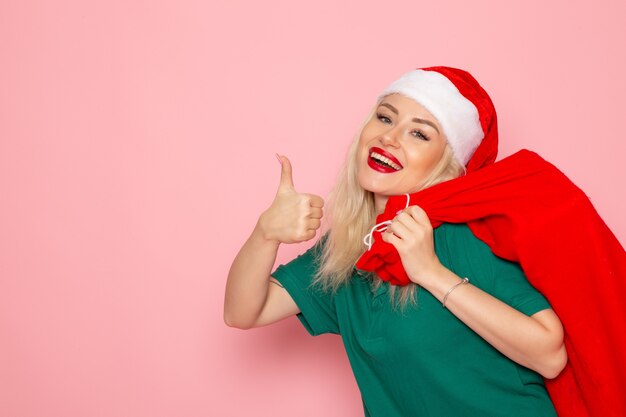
389, 138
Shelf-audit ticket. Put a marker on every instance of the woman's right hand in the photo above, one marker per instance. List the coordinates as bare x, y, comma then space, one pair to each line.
293, 217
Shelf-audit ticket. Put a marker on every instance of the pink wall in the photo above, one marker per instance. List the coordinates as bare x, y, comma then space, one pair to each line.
137, 143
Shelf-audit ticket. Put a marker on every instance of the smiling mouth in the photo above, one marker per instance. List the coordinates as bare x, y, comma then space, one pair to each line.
382, 161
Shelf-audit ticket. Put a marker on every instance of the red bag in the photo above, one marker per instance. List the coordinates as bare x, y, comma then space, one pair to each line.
529, 212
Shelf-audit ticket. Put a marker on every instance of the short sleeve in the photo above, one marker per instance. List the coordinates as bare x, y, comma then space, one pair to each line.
501, 278
317, 308
511, 286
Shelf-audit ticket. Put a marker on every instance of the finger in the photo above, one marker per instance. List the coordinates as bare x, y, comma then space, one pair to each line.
419, 215
316, 201
307, 235
415, 227
316, 213
407, 220
286, 178
389, 237
314, 224
398, 229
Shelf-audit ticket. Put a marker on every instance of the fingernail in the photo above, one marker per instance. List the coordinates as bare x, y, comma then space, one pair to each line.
279, 160
398, 212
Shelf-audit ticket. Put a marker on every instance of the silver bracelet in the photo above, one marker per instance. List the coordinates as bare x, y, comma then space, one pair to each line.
445, 297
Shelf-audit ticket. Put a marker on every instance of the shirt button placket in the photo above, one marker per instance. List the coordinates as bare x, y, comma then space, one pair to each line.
377, 313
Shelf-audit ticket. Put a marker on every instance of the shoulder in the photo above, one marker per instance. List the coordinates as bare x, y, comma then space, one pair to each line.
454, 231
462, 252
458, 237
469, 256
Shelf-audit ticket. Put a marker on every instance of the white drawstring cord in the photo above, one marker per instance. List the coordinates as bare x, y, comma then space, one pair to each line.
370, 236
380, 227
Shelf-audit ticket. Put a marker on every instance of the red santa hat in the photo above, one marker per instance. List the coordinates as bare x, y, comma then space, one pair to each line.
462, 108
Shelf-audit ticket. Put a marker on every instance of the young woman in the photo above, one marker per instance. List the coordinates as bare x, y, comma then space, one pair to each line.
465, 333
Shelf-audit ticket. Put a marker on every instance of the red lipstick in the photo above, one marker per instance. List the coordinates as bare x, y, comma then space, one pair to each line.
379, 166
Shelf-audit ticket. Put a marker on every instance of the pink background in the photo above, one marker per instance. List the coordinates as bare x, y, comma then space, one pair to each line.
137, 143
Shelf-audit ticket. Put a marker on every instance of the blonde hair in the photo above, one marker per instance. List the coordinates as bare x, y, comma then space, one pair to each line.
351, 213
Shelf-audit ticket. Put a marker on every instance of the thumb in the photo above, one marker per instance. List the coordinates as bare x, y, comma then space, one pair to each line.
286, 179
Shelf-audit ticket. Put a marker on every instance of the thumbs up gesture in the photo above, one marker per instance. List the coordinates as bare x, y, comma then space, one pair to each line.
293, 216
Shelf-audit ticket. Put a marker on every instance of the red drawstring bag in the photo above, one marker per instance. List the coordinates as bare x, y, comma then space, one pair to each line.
529, 212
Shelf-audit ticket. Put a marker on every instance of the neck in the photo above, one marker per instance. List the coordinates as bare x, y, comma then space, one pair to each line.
380, 201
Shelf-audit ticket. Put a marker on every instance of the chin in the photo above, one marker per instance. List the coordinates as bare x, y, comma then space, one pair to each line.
374, 188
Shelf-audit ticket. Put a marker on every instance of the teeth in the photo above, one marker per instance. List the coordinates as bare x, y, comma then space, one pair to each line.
386, 160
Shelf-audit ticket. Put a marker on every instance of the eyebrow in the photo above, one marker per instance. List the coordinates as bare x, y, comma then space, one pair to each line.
415, 119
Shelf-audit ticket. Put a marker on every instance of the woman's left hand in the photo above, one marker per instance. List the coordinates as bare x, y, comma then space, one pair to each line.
411, 234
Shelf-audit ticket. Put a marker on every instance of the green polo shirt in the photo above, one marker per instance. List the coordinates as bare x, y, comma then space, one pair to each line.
425, 361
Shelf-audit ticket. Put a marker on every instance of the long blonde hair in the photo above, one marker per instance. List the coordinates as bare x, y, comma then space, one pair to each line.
351, 213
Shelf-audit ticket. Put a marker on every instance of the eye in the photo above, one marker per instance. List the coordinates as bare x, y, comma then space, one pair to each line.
420, 135
383, 118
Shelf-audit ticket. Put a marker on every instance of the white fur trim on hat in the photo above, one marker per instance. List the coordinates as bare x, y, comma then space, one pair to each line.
457, 116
